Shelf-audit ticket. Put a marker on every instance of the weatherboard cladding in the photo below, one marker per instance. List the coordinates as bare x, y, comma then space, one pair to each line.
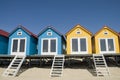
3, 42
31, 40
106, 34
55, 34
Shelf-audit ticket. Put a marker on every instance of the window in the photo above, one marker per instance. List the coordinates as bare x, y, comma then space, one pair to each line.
103, 45
105, 33
18, 45
53, 46
79, 45
110, 45
19, 33
49, 45
83, 44
15, 45
75, 45
106, 45
22, 45
49, 33
45, 45
78, 32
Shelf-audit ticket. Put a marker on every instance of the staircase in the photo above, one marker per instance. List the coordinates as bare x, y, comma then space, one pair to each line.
57, 66
14, 66
100, 65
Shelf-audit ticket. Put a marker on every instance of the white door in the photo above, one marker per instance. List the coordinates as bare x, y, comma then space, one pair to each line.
49, 46
107, 45
79, 46
18, 46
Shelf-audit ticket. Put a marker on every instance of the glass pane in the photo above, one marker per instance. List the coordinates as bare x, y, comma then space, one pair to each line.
110, 45
45, 45
75, 45
82, 44
53, 46
15, 45
102, 45
22, 45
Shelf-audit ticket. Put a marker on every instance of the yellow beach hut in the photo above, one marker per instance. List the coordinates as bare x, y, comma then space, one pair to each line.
78, 41
106, 41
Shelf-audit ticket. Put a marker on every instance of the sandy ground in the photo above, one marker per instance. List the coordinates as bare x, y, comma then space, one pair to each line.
68, 74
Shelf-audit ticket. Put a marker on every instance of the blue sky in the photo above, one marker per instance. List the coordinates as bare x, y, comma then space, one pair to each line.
61, 14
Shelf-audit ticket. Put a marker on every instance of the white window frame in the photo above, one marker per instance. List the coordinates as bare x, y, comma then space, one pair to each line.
78, 31
18, 52
19, 33
50, 33
79, 52
49, 52
106, 43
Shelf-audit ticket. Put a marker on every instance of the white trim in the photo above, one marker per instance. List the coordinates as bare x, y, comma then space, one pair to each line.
49, 33
18, 53
78, 32
19, 33
79, 51
49, 53
106, 43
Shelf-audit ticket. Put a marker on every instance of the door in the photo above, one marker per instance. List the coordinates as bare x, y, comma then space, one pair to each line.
79, 46
18, 46
107, 45
49, 46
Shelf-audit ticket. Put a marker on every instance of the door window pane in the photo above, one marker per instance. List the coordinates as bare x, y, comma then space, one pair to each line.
102, 45
22, 45
82, 44
15, 45
53, 46
45, 45
75, 45
110, 45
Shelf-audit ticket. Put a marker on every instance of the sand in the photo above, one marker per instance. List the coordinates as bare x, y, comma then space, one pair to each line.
68, 74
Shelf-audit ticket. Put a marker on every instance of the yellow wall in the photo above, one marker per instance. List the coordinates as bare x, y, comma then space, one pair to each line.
109, 35
83, 34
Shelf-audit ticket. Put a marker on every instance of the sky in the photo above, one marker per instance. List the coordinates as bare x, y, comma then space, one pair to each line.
63, 15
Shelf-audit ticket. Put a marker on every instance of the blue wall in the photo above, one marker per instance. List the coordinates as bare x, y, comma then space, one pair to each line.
54, 35
33, 46
3, 45
28, 40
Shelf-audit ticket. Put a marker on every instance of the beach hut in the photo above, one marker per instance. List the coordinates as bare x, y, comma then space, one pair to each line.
79, 40
22, 42
3, 42
50, 42
106, 41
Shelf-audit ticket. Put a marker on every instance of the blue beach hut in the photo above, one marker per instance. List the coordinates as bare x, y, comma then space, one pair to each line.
22, 42
50, 42
3, 42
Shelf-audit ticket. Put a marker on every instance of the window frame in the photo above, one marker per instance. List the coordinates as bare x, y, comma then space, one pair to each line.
49, 46
79, 47
18, 46
106, 43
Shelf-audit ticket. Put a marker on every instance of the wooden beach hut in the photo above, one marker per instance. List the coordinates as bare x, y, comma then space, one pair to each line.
79, 40
50, 42
3, 42
106, 41
22, 42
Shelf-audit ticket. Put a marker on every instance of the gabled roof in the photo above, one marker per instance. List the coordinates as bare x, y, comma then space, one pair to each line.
79, 26
50, 27
108, 28
3, 33
23, 28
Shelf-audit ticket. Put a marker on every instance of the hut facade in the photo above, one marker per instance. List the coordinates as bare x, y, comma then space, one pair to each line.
106, 41
79, 40
22, 42
3, 42
50, 42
